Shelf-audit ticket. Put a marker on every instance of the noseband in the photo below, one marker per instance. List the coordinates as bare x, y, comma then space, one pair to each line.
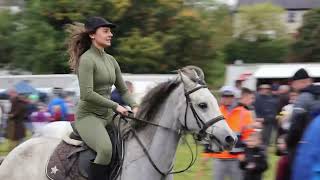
201, 134
201, 124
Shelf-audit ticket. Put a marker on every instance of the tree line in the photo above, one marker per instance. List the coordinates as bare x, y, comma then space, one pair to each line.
155, 36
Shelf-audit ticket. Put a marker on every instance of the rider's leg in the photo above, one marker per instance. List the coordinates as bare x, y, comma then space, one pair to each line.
93, 132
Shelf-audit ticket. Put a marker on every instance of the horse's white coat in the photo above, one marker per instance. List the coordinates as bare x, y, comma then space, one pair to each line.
28, 160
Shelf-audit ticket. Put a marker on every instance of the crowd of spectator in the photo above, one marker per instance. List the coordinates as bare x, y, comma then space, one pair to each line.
283, 116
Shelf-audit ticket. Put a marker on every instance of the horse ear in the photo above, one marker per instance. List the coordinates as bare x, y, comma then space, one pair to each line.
188, 83
198, 71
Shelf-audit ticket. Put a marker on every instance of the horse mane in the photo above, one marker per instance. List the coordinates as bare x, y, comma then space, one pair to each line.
157, 96
153, 100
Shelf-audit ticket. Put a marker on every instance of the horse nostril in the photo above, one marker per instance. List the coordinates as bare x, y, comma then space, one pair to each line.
230, 139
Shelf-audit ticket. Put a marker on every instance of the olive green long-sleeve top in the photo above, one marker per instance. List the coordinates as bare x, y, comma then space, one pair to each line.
97, 72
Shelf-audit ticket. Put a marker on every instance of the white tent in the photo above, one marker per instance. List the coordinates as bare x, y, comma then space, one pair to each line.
285, 70
142, 82
267, 71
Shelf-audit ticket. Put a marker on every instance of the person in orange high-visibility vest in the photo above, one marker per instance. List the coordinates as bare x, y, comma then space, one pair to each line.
240, 120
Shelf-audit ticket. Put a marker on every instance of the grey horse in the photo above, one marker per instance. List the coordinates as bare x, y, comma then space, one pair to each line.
178, 105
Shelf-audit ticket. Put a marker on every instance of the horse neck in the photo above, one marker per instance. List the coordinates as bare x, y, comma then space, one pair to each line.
160, 142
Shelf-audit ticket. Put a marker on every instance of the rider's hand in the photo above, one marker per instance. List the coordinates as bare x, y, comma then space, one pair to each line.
123, 111
135, 110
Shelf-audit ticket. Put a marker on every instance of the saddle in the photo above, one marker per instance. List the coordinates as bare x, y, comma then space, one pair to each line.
71, 161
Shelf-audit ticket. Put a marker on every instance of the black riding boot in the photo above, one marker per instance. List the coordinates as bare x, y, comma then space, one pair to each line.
99, 172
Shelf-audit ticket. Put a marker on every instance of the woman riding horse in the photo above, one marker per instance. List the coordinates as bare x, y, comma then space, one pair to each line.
97, 71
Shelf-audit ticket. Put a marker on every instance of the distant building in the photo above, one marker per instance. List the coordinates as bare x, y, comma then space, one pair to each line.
12, 5
295, 9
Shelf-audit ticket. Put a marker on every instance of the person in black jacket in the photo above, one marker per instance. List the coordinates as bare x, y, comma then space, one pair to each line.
116, 96
253, 162
266, 108
305, 109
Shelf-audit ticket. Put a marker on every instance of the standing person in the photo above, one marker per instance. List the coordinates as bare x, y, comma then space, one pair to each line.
1, 123
285, 115
40, 117
71, 108
284, 91
253, 161
305, 109
266, 107
58, 107
239, 119
307, 159
32, 107
16, 129
97, 71
116, 96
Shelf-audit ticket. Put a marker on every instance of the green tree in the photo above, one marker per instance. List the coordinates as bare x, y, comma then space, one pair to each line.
181, 35
152, 36
6, 27
306, 48
141, 54
259, 51
260, 20
260, 35
39, 49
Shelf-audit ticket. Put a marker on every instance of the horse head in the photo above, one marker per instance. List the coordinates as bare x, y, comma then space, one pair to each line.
202, 114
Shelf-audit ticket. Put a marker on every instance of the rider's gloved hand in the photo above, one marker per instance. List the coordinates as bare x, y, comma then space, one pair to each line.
122, 110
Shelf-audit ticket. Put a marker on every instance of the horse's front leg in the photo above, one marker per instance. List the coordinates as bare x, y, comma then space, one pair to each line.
169, 177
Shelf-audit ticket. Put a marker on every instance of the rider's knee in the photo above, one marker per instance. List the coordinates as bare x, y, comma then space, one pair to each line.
106, 151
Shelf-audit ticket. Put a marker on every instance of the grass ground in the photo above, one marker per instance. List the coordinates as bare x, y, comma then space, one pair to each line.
200, 171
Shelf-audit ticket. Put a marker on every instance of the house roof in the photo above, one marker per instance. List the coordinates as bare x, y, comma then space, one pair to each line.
286, 4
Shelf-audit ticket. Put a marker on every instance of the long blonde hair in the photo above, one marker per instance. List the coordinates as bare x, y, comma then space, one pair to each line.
78, 42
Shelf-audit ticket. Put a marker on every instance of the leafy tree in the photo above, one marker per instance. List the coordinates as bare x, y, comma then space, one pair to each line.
155, 36
260, 35
6, 27
260, 21
306, 48
39, 49
260, 51
141, 54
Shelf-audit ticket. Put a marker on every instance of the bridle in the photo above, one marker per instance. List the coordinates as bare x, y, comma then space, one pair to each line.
200, 136
202, 125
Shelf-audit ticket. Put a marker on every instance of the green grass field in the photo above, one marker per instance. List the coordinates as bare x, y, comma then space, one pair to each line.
203, 170
200, 171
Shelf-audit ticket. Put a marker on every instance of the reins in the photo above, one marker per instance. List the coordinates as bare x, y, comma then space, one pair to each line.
202, 125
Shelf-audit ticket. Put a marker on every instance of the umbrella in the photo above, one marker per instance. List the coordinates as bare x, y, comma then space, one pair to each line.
23, 87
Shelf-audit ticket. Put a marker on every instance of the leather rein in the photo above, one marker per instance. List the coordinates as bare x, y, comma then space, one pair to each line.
202, 133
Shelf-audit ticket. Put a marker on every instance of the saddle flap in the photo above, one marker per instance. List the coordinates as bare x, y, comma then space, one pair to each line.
85, 157
62, 162
69, 162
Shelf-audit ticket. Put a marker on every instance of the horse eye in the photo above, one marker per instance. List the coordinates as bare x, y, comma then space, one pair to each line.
203, 105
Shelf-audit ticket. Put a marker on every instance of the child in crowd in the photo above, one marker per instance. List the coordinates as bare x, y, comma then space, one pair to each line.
253, 162
40, 117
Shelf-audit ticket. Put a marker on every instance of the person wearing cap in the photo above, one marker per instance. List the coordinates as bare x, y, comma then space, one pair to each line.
266, 108
239, 119
97, 71
305, 109
301, 80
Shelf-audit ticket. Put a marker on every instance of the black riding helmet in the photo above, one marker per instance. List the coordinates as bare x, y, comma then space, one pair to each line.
93, 23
